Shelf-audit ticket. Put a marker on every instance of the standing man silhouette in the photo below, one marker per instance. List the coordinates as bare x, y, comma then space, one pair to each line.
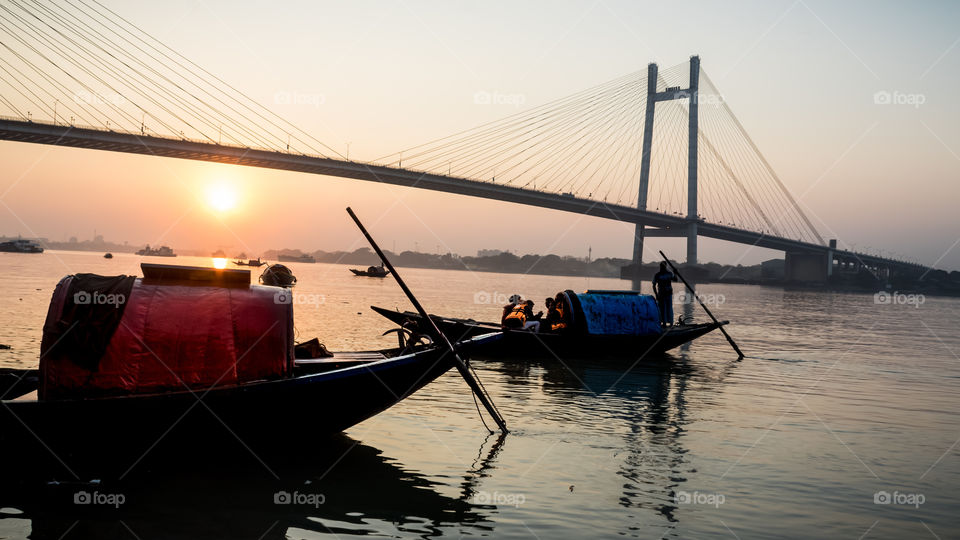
663, 290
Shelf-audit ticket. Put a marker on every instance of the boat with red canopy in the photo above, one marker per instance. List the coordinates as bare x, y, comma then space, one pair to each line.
191, 356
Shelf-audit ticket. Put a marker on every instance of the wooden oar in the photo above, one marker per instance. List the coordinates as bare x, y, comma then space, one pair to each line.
704, 306
438, 336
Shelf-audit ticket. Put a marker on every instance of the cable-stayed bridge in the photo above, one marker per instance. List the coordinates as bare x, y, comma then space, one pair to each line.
660, 149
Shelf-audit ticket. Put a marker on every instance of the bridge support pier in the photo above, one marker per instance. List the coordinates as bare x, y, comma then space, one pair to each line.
693, 130
645, 161
692, 243
690, 94
808, 267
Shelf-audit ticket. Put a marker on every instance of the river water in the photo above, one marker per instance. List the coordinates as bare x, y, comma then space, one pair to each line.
840, 422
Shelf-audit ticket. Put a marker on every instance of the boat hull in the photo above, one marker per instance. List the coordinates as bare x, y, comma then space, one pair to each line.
65, 436
368, 274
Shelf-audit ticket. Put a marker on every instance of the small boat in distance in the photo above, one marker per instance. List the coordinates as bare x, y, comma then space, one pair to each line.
20, 246
250, 262
303, 257
162, 251
218, 254
108, 255
372, 271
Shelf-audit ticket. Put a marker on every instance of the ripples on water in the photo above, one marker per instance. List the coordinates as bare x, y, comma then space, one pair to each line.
839, 398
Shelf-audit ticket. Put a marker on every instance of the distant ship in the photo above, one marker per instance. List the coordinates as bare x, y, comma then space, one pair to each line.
20, 246
304, 258
162, 251
219, 254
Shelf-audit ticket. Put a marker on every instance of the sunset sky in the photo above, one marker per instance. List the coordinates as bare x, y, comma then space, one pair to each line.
382, 76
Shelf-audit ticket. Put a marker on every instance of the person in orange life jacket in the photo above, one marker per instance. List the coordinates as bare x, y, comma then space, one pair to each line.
562, 316
514, 300
521, 316
663, 290
553, 316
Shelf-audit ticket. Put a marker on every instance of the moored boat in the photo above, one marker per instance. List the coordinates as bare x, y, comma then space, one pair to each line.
249, 262
20, 246
604, 322
372, 271
211, 361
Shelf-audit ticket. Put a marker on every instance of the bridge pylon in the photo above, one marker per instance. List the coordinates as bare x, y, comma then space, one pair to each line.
653, 96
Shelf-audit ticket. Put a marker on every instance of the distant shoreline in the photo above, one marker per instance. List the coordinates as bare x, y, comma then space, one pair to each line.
767, 274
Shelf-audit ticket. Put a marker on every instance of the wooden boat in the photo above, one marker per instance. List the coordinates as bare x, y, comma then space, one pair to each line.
67, 414
250, 262
577, 339
321, 397
372, 271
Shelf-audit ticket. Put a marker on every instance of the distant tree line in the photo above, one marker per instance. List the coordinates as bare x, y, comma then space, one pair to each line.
510, 263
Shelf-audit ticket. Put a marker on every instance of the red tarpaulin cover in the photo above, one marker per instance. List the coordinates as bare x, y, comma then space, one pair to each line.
172, 337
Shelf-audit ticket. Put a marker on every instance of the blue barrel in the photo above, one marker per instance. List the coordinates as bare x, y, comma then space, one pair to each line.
614, 313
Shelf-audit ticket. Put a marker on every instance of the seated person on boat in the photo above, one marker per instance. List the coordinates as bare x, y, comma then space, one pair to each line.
508, 308
553, 316
521, 317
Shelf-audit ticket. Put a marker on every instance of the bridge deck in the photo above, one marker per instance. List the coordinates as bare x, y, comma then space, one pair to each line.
71, 136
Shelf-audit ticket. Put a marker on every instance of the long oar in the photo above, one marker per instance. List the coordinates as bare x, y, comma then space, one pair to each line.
439, 336
704, 306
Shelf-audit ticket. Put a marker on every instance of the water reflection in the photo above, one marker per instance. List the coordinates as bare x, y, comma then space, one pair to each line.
344, 487
643, 402
482, 466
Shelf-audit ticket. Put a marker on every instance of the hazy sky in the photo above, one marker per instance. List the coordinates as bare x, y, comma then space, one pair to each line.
801, 76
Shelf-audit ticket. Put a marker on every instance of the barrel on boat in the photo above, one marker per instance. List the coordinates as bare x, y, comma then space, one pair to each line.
616, 313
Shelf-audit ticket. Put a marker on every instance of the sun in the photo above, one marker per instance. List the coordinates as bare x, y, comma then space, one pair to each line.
222, 197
